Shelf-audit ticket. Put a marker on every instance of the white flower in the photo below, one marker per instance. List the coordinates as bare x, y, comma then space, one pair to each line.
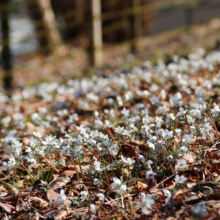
149, 163
182, 112
96, 113
84, 195
146, 119
125, 112
166, 193
6, 121
10, 164
116, 183
38, 134
180, 179
170, 118
176, 100
170, 157
151, 145
108, 124
96, 181
119, 129
178, 132
60, 199
181, 165
150, 174
167, 134
203, 107
93, 208
97, 165
48, 140
101, 196
187, 90
113, 149
146, 203
141, 157
215, 110
154, 99
99, 124
184, 149
200, 210
188, 138
128, 161
33, 163
119, 188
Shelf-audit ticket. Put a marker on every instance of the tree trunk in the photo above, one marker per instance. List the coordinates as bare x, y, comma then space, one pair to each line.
50, 24
45, 25
6, 53
40, 30
94, 30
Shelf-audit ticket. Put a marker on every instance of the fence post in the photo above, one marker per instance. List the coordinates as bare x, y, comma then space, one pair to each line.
6, 56
95, 33
135, 25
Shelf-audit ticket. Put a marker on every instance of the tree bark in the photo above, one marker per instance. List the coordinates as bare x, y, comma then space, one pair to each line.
49, 21
6, 56
94, 30
44, 21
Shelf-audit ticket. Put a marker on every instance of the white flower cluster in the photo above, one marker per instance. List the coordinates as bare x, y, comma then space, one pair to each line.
164, 109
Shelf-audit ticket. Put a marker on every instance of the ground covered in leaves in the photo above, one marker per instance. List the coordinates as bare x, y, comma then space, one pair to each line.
139, 143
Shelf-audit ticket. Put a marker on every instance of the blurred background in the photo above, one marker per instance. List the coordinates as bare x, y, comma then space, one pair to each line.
53, 38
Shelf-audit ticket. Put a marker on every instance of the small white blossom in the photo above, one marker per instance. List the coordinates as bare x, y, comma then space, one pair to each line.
181, 165
93, 208
146, 203
180, 179
101, 196
84, 195
170, 157
38, 134
119, 188
10, 164
128, 161
141, 157
200, 210
149, 163
188, 138
97, 165
166, 193
150, 174
125, 112
60, 199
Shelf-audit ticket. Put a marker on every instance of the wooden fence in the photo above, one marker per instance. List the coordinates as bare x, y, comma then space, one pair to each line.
93, 21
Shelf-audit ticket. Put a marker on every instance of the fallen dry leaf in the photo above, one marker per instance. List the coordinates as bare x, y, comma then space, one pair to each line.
22, 205
7, 207
142, 186
51, 195
58, 214
59, 182
37, 202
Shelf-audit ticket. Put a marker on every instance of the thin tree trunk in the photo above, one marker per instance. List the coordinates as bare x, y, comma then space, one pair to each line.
44, 21
6, 53
50, 24
135, 25
40, 30
94, 29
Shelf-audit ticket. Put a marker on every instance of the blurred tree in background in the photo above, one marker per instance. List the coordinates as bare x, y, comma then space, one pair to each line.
6, 53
